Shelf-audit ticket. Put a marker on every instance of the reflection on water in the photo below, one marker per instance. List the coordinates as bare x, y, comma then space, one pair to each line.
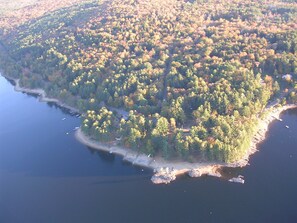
10, 81
106, 157
292, 111
228, 173
65, 111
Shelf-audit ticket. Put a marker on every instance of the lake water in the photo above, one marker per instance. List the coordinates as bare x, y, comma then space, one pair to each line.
46, 175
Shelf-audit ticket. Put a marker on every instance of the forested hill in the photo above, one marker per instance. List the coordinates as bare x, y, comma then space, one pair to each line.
193, 76
16, 12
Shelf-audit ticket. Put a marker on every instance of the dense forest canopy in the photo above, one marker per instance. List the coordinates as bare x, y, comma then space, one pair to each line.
186, 79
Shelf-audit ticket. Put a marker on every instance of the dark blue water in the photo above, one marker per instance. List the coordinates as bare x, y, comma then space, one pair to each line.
48, 176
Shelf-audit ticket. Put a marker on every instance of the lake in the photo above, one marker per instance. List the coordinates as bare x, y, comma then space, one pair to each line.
46, 175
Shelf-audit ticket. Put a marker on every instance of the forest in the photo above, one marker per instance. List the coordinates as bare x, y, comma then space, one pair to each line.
173, 78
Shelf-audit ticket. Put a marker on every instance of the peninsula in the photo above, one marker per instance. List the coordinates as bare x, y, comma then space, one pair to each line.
176, 86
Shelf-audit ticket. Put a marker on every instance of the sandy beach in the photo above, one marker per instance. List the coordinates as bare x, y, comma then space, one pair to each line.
167, 171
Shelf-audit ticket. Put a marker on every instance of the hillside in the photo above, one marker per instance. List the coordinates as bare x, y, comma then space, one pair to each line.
181, 79
16, 12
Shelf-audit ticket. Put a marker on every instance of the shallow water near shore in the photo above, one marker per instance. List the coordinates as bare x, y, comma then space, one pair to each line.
46, 175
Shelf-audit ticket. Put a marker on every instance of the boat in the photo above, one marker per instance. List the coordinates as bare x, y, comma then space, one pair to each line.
119, 138
287, 126
238, 179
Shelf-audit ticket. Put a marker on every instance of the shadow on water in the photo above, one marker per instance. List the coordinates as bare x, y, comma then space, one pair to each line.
229, 172
65, 111
291, 112
31, 95
12, 82
105, 156
111, 158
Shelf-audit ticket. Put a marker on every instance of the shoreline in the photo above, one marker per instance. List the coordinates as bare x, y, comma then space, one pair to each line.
41, 94
164, 171
167, 171
262, 129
